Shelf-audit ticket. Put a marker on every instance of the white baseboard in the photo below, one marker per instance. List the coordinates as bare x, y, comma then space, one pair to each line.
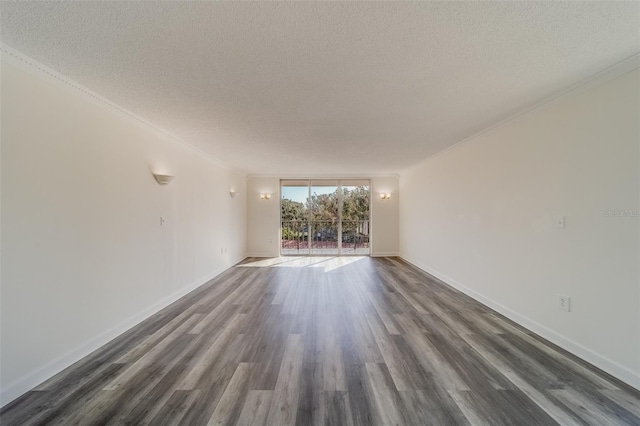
28, 382
385, 254
616, 370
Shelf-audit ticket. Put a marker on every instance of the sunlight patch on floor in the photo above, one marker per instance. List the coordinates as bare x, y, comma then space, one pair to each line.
328, 263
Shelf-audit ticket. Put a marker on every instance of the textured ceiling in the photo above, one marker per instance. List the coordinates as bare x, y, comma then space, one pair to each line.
324, 87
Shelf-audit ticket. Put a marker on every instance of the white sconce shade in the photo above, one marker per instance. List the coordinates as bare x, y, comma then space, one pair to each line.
233, 194
163, 179
385, 196
265, 196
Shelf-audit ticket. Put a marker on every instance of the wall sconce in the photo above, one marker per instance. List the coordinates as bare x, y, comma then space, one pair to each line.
385, 196
163, 179
233, 194
265, 196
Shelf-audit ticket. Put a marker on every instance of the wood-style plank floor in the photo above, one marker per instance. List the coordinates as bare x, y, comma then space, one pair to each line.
334, 341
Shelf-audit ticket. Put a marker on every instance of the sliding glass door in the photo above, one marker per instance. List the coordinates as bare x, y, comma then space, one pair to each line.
325, 217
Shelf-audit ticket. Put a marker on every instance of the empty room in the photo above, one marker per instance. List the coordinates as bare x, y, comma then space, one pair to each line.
319, 213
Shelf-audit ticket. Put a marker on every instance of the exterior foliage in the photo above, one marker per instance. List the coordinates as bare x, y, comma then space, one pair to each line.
324, 216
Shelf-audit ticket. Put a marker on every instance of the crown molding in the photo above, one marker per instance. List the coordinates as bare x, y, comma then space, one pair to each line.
616, 70
33, 67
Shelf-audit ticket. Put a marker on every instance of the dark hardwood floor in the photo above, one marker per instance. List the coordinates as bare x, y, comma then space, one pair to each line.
339, 341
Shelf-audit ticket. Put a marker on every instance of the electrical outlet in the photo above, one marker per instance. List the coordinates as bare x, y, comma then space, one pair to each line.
560, 224
565, 303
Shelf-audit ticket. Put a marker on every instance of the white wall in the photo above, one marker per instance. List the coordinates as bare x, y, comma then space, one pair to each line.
263, 217
83, 254
384, 216
481, 217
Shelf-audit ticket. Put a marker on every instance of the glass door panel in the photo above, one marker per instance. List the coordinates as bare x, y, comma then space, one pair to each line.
355, 217
294, 218
323, 203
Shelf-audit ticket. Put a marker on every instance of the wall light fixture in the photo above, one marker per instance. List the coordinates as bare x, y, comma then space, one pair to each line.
163, 179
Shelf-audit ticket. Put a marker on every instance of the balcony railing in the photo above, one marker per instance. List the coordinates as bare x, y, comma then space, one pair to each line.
321, 237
